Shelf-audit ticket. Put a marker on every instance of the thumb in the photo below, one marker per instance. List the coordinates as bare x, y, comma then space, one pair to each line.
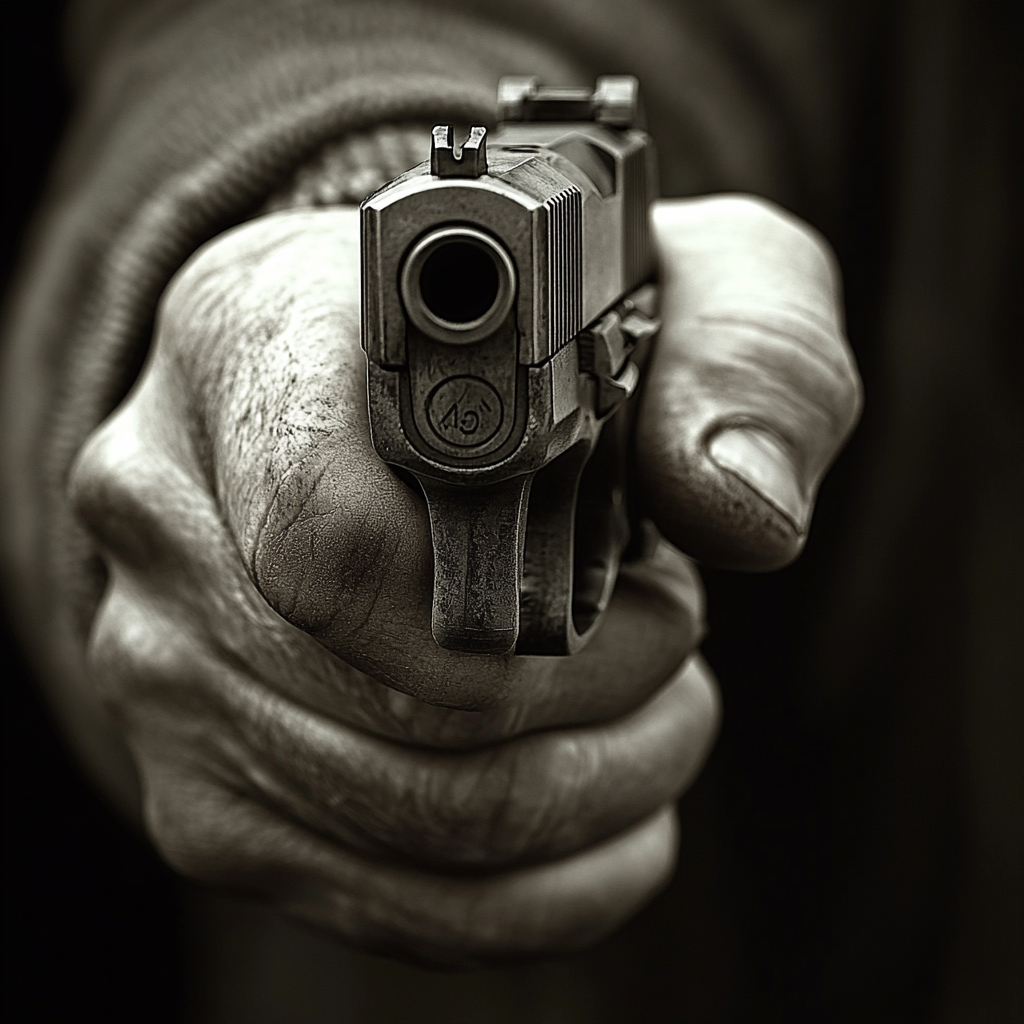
752, 388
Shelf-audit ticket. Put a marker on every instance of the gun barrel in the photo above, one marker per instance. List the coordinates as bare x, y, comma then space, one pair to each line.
458, 284
500, 334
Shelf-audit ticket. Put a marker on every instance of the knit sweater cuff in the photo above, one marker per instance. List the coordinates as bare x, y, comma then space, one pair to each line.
348, 170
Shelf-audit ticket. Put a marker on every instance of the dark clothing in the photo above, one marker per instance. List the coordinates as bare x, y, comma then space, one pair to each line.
854, 848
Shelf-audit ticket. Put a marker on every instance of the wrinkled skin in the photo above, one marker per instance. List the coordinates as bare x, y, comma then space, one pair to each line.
265, 642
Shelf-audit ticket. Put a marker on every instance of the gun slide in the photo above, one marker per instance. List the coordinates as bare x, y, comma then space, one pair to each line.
506, 304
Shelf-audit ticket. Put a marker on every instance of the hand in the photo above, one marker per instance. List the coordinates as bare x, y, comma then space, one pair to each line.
264, 640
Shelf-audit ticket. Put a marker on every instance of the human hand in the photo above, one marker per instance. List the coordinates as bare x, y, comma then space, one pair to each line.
265, 636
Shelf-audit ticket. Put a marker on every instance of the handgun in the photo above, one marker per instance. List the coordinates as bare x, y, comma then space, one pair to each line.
507, 300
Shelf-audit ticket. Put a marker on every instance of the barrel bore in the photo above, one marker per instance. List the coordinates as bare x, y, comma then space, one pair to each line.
458, 284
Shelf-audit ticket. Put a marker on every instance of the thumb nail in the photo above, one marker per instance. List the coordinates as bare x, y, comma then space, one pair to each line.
762, 462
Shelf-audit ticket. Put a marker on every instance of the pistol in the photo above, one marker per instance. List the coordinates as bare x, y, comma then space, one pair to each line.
507, 300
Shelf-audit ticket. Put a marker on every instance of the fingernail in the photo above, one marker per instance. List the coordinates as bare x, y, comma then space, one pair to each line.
761, 461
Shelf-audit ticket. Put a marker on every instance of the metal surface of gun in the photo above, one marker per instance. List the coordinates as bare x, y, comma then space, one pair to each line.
505, 294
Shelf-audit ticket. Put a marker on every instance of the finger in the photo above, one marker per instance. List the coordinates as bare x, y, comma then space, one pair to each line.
538, 797
219, 837
751, 389
534, 799
653, 624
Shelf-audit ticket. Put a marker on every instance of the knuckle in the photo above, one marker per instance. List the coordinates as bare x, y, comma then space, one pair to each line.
471, 811
99, 471
743, 205
545, 796
555, 799
773, 238
767, 218
752, 212
116, 489
134, 650
115, 654
148, 673
530, 803
825, 382
185, 821
851, 394
441, 814
788, 360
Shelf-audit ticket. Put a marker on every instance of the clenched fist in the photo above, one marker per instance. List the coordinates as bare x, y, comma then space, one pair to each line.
265, 643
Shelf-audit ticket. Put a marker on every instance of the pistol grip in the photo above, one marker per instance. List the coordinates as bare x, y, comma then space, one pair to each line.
478, 535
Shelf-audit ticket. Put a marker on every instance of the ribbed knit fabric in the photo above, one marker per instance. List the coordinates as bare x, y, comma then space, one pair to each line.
347, 171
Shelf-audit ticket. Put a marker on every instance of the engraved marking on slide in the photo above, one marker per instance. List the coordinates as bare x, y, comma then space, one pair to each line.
465, 411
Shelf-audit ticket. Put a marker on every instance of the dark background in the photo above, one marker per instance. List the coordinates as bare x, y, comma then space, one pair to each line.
90, 916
